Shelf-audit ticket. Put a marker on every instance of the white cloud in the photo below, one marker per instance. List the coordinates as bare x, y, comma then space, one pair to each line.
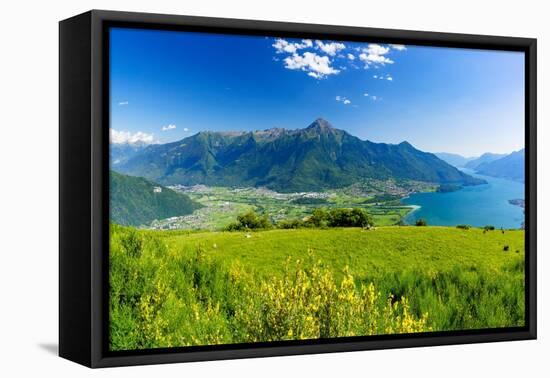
316, 58
382, 77
185, 129
372, 97
123, 103
317, 66
330, 48
374, 54
343, 100
169, 127
399, 47
121, 137
376, 49
283, 46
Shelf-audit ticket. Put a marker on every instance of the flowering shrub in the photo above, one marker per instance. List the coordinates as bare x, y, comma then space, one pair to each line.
306, 303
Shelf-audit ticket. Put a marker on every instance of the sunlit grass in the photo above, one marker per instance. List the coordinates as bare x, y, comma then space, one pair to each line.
195, 288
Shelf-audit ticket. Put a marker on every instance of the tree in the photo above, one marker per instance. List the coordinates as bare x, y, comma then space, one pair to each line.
421, 222
319, 217
250, 221
349, 218
291, 224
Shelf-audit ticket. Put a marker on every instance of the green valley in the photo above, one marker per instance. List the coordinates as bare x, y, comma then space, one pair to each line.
221, 205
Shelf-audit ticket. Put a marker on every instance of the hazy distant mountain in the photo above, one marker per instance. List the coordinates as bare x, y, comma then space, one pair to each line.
511, 167
455, 160
135, 201
485, 158
317, 157
120, 152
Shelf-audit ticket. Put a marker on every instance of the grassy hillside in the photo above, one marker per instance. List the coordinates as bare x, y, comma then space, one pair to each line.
183, 288
134, 201
366, 252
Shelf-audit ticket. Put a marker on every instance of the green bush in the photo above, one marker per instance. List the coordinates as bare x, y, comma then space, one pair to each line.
319, 217
355, 217
250, 221
349, 218
307, 303
421, 222
292, 224
463, 226
132, 243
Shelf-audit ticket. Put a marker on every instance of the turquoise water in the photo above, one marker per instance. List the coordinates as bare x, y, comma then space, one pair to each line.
477, 206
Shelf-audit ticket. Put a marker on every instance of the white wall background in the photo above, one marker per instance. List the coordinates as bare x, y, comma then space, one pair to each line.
29, 186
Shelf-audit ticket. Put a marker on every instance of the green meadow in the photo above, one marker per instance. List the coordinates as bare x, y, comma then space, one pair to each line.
180, 288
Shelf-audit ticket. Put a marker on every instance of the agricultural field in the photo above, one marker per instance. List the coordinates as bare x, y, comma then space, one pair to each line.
222, 205
177, 288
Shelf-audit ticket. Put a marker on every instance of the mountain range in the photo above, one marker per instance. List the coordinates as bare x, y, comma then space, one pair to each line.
309, 159
471, 162
509, 166
455, 160
135, 201
119, 153
487, 157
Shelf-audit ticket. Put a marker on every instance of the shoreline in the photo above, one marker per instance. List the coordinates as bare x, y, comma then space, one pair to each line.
414, 208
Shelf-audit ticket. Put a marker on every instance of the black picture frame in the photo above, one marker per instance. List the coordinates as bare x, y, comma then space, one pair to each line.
83, 181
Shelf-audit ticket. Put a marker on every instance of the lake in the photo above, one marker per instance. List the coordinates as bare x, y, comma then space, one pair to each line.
477, 205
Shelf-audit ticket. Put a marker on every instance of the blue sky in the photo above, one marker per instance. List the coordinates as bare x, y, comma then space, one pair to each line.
168, 85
